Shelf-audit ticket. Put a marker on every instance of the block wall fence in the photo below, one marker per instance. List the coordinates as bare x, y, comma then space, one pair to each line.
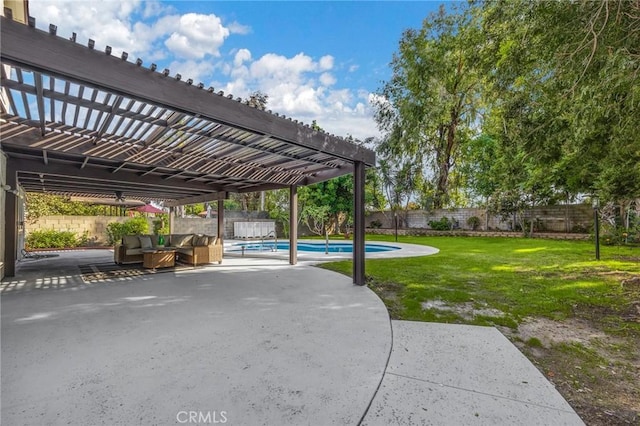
96, 226
556, 219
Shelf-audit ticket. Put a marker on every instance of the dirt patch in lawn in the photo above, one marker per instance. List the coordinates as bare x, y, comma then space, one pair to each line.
467, 310
597, 373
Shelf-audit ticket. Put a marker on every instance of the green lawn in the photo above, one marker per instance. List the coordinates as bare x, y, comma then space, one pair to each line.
591, 308
519, 277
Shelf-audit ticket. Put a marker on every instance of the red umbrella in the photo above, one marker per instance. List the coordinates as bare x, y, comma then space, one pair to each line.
148, 208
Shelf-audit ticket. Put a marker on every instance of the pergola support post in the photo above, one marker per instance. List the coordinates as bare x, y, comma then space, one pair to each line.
11, 223
172, 216
293, 225
221, 224
358, 223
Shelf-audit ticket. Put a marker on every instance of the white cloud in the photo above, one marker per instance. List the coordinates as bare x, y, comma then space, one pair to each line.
300, 86
326, 62
237, 28
190, 69
340, 96
327, 79
277, 67
197, 35
105, 22
242, 56
155, 8
112, 23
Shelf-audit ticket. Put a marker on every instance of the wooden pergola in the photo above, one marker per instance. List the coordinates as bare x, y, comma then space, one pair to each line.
82, 122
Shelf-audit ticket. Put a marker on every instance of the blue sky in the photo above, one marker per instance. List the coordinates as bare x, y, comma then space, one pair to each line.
315, 60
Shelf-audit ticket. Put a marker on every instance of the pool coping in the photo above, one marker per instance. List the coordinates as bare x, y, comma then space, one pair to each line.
406, 250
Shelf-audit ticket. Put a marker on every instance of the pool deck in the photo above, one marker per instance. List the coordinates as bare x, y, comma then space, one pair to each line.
254, 340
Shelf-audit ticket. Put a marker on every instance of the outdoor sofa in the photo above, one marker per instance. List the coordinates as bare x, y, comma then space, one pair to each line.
193, 249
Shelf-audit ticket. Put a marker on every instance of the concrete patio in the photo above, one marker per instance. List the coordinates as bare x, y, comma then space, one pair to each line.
251, 341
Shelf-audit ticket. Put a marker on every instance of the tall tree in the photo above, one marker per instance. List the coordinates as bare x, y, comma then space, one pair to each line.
428, 107
565, 91
257, 99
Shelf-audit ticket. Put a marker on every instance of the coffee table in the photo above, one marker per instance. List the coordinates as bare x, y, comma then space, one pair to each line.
159, 258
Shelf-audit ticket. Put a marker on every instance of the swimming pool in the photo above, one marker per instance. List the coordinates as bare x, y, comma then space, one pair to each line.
307, 247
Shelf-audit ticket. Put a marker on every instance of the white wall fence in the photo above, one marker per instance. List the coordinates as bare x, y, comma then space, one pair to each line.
244, 230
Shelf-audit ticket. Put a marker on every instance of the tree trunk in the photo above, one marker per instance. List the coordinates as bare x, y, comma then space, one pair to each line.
326, 242
532, 224
567, 224
444, 166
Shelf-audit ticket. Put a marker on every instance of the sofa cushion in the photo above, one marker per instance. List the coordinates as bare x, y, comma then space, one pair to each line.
211, 240
135, 251
145, 242
181, 240
185, 250
131, 241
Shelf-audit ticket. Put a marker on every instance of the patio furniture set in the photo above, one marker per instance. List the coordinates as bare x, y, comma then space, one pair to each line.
191, 249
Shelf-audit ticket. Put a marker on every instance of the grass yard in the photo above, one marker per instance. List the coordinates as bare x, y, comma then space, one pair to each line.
576, 318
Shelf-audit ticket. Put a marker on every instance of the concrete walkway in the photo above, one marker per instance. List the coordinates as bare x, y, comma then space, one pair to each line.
445, 374
250, 342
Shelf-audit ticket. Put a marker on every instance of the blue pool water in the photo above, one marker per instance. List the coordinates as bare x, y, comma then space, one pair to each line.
312, 247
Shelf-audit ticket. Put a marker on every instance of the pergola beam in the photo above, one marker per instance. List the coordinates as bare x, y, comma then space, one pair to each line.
40, 101
22, 45
216, 196
96, 174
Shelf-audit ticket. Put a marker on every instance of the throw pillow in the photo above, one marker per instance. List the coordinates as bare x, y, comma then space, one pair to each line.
131, 242
181, 240
200, 241
145, 242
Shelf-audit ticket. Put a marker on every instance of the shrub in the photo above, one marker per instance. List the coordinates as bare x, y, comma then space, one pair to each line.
376, 224
443, 224
473, 222
161, 224
580, 229
135, 226
50, 238
115, 232
617, 236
